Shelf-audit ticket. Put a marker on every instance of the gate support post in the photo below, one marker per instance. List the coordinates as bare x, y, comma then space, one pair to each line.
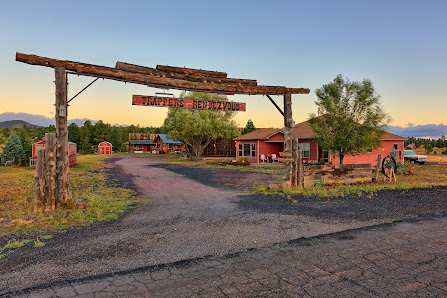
288, 138
63, 191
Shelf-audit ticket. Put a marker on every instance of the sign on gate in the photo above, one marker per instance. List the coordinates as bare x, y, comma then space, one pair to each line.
173, 102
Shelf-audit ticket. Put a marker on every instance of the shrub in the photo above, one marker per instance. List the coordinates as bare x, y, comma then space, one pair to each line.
434, 152
243, 159
322, 161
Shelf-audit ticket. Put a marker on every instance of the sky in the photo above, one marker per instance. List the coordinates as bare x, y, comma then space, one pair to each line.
399, 45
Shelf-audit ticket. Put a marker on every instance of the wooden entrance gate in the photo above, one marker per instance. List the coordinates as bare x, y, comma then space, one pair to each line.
164, 77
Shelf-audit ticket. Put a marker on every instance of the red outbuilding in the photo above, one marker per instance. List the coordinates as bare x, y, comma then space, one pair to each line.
72, 152
105, 148
264, 144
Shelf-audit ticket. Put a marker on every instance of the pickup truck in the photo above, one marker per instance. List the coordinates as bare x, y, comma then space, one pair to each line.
413, 157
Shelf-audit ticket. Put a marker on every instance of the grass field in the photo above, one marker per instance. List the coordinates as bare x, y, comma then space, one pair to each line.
88, 178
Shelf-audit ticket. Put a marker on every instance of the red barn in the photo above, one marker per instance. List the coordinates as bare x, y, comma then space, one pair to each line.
72, 152
269, 141
105, 148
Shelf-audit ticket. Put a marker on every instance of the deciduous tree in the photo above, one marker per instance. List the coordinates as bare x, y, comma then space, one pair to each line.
197, 128
352, 118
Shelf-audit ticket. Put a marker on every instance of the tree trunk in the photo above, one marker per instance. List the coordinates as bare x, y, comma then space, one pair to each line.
50, 171
63, 192
287, 138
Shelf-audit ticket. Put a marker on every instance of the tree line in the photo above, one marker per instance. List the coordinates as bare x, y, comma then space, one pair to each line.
429, 144
18, 141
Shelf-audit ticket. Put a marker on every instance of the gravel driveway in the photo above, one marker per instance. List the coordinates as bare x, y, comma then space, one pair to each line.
189, 213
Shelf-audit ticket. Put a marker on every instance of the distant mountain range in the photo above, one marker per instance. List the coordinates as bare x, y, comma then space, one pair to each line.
17, 124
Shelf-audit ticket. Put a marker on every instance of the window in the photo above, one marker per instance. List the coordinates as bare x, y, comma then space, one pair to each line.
305, 149
247, 150
326, 155
369, 149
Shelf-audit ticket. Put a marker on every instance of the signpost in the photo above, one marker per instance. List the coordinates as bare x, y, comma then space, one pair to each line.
286, 157
173, 102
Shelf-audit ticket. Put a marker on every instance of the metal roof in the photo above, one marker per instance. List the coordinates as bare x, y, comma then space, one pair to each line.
166, 140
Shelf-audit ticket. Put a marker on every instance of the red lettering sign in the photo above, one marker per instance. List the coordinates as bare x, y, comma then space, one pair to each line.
172, 102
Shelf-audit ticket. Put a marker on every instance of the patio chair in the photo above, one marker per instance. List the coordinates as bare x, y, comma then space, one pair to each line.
264, 158
274, 158
9, 162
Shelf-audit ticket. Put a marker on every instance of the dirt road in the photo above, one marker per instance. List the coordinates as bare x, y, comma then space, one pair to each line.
180, 218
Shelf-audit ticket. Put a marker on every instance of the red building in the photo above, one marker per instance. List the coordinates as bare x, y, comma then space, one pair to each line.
268, 141
105, 148
72, 152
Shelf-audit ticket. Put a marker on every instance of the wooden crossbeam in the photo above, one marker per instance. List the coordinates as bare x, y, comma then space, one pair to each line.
150, 80
192, 71
175, 75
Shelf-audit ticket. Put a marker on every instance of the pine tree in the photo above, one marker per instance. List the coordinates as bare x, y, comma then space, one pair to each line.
13, 149
249, 127
73, 133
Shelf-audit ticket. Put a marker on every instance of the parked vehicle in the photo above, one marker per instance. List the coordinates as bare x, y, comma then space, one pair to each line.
413, 157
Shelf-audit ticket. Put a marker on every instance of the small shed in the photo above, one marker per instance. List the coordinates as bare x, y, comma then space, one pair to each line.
72, 152
105, 148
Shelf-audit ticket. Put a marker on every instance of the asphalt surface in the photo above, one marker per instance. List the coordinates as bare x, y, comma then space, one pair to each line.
190, 213
405, 259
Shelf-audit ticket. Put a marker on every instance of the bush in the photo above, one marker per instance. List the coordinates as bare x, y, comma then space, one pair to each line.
322, 161
243, 159
434, 152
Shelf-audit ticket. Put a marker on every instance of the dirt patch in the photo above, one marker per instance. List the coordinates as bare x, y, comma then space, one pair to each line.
223, 178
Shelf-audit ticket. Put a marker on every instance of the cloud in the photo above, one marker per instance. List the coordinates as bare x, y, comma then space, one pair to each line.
434, 131
39, 120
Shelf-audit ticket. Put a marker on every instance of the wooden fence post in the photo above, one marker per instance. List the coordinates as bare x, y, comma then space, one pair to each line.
50, 171
63, 191
300, 169
295, 162
379, 159
287, 138
39, 181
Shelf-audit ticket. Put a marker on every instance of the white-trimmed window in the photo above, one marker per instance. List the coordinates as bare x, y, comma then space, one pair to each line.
305, 149
369, 149
247, 150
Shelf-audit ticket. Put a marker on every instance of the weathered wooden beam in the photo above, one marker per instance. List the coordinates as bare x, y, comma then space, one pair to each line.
39, 181
63, 192
193, 78
287, 138
50, 171
138, 78
192, 71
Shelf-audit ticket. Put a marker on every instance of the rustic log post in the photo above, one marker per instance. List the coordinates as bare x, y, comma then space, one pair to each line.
63, 192
50, 171
295, 162
287, 138
300, 169
39, 181
379, 159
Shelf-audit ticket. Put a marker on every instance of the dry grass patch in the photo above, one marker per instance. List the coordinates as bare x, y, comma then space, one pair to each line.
103, 201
